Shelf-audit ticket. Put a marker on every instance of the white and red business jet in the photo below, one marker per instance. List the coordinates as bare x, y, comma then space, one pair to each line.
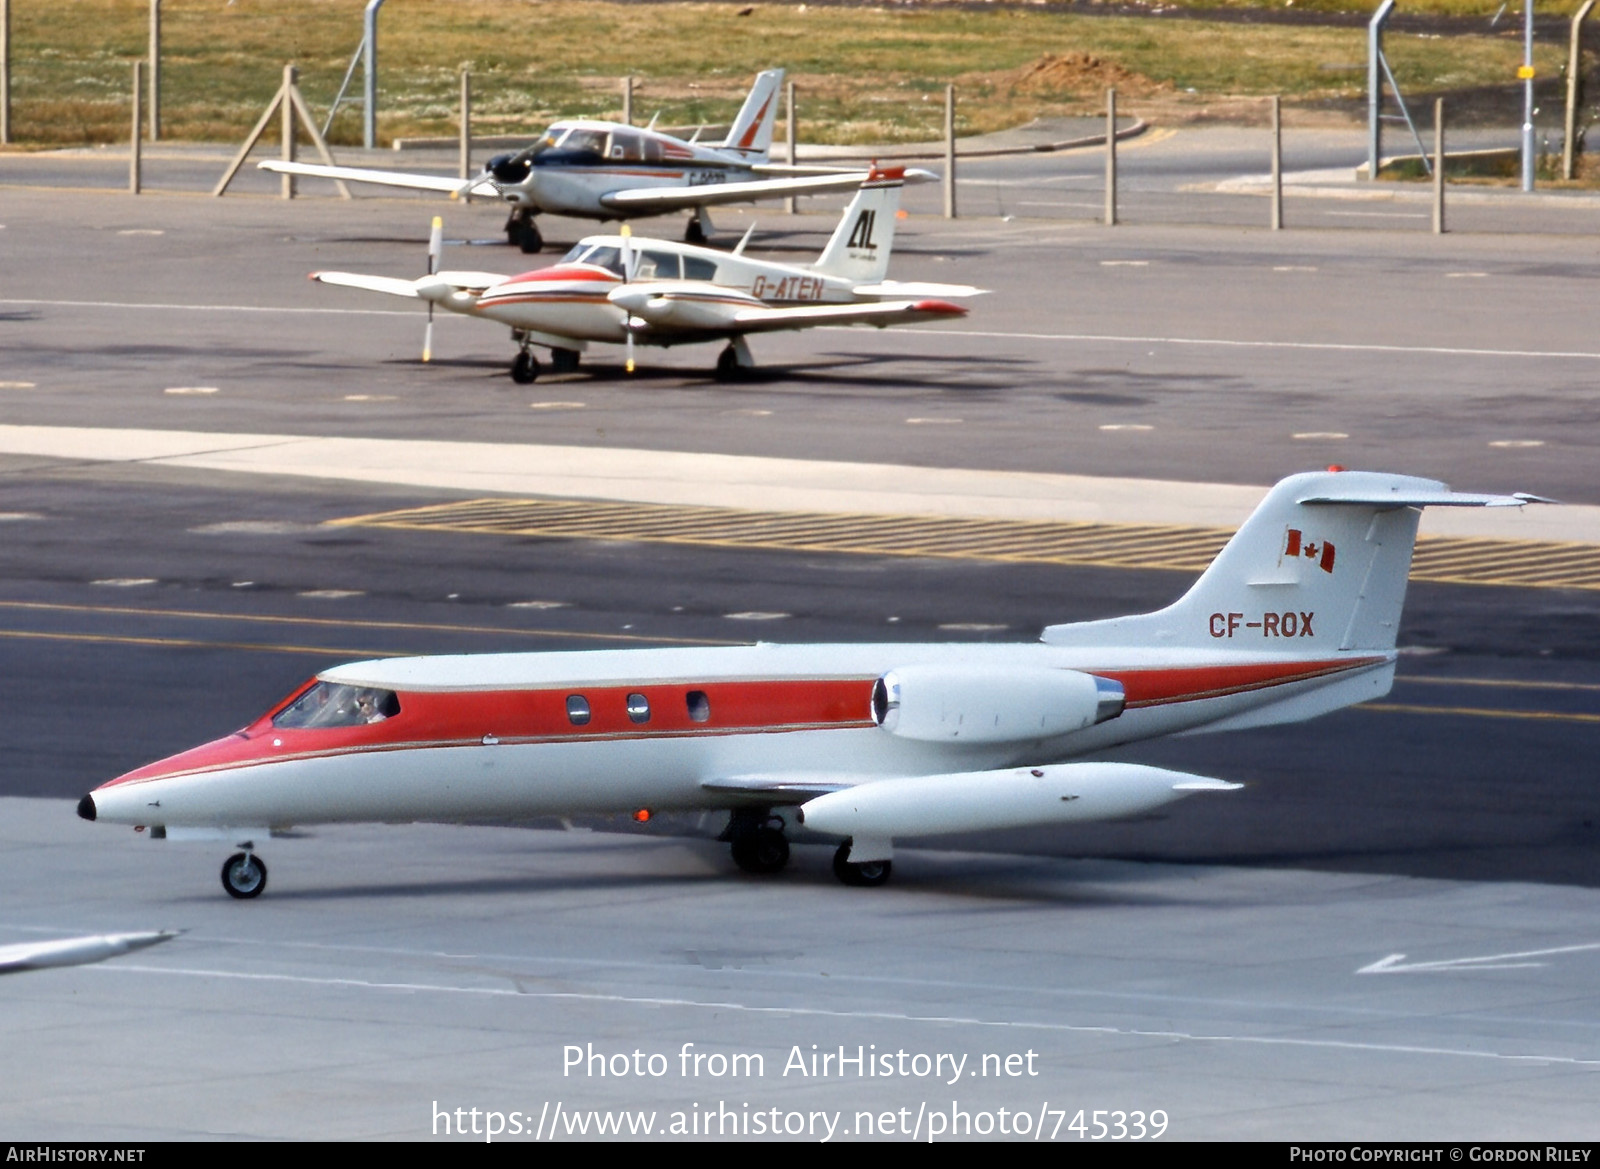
873, 743
607, 170
623, 290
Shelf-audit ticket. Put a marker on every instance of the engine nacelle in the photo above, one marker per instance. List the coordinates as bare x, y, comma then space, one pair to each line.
991, 704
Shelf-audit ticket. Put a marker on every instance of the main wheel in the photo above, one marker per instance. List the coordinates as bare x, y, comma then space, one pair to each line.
244, 875
528, 237
761, 850
866, 873
564, 360
695, 232
728, 367
525, 369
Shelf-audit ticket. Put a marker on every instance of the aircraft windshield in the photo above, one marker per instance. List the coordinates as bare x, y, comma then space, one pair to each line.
588, 141
330, 704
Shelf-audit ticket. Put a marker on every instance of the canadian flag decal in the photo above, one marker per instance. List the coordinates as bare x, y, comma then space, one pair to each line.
1322, 553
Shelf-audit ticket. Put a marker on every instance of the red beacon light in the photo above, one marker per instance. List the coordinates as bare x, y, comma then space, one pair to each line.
1337, 467
642, 816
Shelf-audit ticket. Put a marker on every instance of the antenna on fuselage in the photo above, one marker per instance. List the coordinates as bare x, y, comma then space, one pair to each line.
748, 232
654, 118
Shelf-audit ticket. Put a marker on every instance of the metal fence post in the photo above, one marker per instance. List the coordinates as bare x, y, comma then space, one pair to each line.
155, 70
289, 75
1277, 163
1574, 90
466, 124
790, 132
369, 49
1526, 73
134, 160
5, 72
1438, 166
627, 101
1111, 158
950, 152
1375, 88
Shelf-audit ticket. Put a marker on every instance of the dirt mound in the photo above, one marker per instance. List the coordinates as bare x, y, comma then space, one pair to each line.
1080, 73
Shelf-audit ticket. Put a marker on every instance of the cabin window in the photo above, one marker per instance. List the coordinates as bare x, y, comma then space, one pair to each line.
627, 147
655, 265
578, 249
332, 704
699, 706
638, 708
695, 268
577, 710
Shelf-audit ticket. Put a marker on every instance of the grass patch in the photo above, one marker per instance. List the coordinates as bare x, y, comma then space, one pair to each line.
864, 73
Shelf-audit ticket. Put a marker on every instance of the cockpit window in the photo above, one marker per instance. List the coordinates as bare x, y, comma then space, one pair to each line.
606, 257
577, 250
695, 268
590, 141
333, 704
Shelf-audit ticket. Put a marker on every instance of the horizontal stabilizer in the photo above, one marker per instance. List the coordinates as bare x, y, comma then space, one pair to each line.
1414, 498
649, 199
889, 312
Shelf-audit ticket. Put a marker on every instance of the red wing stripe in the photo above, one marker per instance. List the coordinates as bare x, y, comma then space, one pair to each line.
1161, 687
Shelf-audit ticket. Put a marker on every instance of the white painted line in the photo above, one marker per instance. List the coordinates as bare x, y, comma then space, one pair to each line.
18, 386
369, 397
1126, 426
141, 231
656, 1002
972, 627
1379, 214
555, 405
1465, 275
1517, 443
124, 582
211, 308
331, 594
755, 615
1225, 343
14, 517
1294, 268
750, 413
933, 421
192, 390
253, 528
1315, 434
539, 605
1124, 263
243, 584
1397, 964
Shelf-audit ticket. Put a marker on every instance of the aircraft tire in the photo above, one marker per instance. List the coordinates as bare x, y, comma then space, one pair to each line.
695, 232
865, 875
244, 875
528, 237
728, 368
525, 369
761, 850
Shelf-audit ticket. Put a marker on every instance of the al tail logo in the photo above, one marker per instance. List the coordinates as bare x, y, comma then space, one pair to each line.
1322, 553
861, 235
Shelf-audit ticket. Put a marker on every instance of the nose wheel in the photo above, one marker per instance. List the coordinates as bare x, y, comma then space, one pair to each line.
864, 873
244, 875
525, 369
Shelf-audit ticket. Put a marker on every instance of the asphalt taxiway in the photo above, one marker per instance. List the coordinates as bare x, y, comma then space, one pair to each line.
148, 601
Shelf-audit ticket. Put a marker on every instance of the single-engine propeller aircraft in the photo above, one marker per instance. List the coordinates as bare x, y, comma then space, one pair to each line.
607, 170
870, 743
623, 290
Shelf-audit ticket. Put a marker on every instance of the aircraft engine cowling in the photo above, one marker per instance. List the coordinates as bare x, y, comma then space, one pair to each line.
508, 168
938, 704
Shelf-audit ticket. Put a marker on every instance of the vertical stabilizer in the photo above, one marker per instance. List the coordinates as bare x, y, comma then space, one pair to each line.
859, 249
1319, 567
752, 129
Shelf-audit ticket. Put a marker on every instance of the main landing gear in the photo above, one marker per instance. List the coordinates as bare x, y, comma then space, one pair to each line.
525, 366
758, 843
522, 232
244, 875
699, 228
734, 362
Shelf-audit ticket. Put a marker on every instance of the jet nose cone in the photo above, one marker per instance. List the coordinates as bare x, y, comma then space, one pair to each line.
86, 808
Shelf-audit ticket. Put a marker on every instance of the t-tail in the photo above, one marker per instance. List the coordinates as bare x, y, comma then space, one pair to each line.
1318, 572
859, 249
751, 134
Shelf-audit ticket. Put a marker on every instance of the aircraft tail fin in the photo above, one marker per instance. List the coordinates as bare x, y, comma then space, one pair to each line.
752, 129
1320, 567
860, 246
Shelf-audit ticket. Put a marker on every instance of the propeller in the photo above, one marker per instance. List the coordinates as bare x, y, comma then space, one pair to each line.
630, 269
494, 165
435, 247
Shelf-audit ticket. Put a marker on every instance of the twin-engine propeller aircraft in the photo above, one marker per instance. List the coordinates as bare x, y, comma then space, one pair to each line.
871, 743
623, 290
606, 170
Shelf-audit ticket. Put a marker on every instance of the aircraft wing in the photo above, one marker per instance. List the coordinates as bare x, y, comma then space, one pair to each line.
648, 200
385, 178
440, 283
778, 789
899, 289
881, 314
